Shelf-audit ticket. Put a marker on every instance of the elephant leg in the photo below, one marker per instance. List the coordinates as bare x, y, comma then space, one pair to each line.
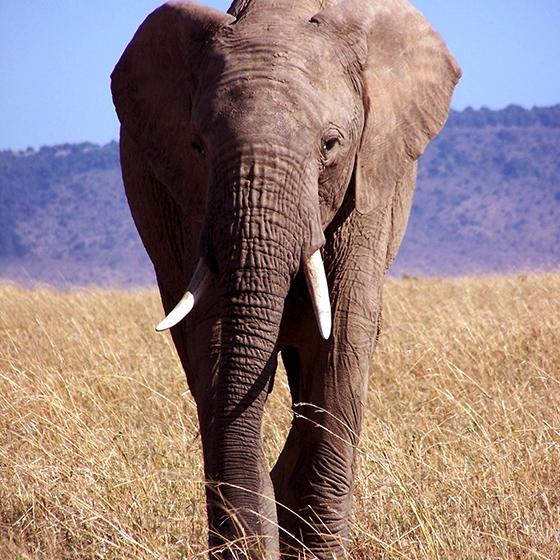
314, 475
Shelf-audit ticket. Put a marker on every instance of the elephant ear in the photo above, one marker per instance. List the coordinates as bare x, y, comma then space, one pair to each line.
408, 77
154, 83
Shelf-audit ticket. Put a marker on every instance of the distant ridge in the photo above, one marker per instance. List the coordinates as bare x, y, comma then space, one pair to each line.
64, 219
488, 196
512, 115
487, 200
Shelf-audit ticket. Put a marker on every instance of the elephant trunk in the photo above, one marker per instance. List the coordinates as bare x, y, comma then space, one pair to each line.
238, 472
254, 240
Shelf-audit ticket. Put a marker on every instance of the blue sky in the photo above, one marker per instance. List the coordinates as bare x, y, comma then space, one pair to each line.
56, 57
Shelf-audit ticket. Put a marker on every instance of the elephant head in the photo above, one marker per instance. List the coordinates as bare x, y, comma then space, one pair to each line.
250, 142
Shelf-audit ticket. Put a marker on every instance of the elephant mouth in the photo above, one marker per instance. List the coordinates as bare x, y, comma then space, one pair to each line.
316, 282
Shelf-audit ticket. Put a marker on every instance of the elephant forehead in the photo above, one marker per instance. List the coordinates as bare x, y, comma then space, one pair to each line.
288, 85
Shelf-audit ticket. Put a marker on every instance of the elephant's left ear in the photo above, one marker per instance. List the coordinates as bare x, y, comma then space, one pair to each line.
154, 83
408, 77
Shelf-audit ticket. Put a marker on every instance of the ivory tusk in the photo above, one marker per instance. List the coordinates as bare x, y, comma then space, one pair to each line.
197, 286
319, 290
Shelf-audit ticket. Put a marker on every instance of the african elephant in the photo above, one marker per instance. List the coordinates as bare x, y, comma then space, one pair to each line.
270, 155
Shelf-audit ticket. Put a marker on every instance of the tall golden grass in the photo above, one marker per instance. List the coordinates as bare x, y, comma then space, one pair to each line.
459, 457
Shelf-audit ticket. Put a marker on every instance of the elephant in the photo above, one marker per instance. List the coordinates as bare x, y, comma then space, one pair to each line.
269, 159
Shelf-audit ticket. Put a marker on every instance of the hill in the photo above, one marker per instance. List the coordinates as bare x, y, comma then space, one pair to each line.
487, 200
488, 195
65, 220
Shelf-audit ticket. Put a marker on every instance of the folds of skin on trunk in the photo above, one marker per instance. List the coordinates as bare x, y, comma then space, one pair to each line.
243, 505
255, 254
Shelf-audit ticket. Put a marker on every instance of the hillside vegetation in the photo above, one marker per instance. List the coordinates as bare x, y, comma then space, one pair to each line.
487, 200
488, 195
65, 219
100, 454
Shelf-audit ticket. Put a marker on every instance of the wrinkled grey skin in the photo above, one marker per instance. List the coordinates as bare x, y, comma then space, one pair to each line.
251, 139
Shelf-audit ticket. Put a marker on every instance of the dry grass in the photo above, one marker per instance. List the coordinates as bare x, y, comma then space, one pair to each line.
99, 454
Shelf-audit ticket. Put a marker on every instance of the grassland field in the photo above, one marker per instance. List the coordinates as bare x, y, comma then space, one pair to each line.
459, 456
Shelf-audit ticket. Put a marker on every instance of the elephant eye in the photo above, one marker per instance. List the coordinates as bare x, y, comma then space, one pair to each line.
197, 144
331, 139
330, 143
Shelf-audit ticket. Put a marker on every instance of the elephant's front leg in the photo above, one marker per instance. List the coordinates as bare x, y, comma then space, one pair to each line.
314, 475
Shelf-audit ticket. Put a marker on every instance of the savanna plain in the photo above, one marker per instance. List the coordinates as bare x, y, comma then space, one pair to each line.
459, 456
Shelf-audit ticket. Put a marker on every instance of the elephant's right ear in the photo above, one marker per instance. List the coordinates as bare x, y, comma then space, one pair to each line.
408, 76
154, 83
